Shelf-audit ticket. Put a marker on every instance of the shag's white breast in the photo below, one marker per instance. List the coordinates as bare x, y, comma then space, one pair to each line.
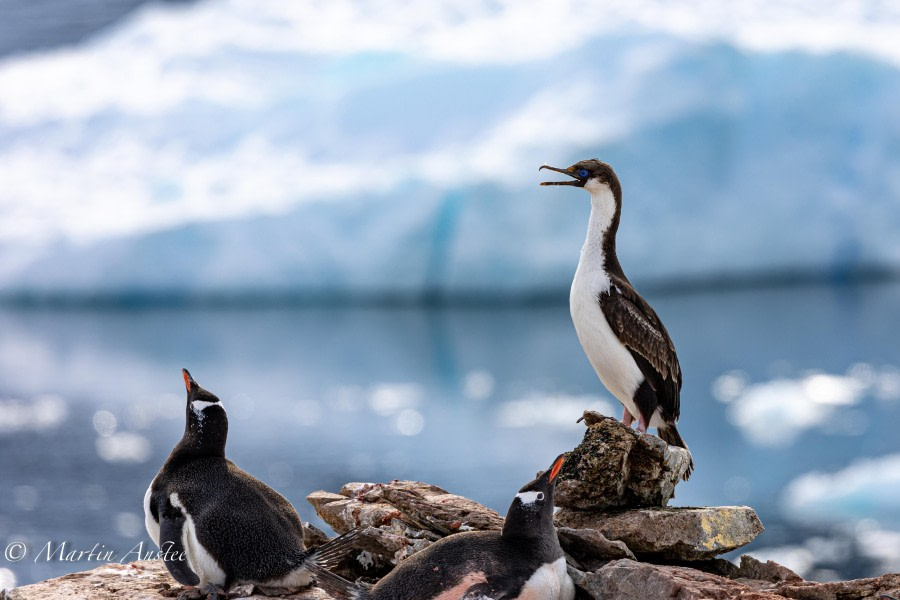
610, 358
199, 559
550, 582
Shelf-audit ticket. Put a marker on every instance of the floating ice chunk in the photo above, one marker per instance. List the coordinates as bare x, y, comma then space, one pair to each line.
775, 412
124, 447
42, 413
867, 489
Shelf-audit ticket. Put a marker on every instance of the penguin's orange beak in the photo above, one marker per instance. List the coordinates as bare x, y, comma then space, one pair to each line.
557, 465
187, 380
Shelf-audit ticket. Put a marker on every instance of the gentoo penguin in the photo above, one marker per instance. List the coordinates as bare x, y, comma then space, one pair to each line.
216, 525
523, 561
624, 339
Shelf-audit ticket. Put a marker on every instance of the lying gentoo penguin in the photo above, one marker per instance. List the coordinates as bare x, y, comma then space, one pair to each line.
523, 561
216, 525
624, 339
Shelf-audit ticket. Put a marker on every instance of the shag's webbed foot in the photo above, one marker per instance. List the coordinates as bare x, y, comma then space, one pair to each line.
627, 418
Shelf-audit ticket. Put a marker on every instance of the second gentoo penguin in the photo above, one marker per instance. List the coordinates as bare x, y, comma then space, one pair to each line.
524, 561
216, 525
624, 339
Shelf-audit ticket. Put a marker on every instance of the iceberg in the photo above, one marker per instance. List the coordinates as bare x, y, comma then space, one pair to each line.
230, 148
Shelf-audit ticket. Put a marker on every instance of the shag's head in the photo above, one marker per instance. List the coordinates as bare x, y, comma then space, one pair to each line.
592, 175
531, 511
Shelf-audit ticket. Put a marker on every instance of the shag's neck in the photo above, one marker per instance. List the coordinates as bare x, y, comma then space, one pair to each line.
599, 250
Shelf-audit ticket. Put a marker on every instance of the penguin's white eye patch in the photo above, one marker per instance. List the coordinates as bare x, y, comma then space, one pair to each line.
199, 405
530, 497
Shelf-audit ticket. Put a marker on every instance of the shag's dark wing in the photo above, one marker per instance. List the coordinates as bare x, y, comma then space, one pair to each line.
637, 326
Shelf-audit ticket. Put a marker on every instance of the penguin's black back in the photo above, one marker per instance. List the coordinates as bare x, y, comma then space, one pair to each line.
506, 565
251, 530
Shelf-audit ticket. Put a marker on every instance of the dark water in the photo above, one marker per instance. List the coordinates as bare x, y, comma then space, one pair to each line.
473, 399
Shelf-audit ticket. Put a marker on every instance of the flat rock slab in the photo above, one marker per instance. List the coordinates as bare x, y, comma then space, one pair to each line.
141, 580
615, 467
671, 533
591, 548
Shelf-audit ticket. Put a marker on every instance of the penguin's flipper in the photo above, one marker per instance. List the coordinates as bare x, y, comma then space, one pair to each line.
171, 525
484, 591
329, 554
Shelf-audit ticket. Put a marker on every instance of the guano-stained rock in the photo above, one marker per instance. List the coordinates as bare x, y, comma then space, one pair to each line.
615, 466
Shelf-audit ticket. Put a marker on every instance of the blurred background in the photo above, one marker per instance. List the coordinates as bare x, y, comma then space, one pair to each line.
329, 212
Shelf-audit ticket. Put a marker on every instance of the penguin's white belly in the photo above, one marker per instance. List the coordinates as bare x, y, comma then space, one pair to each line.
610, 358
150, 523
199, 559
550, 582
295, 579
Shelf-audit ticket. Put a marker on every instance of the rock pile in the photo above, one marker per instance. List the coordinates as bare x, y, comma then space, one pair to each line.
621, 539
618, 483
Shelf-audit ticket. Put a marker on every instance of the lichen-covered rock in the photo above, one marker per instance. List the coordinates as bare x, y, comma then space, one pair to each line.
672, 533
615, 466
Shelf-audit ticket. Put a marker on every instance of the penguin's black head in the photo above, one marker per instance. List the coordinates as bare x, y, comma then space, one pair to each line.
590, 174
206, 427
531, 511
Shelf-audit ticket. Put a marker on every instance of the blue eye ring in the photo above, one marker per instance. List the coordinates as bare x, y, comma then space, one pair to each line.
583, 173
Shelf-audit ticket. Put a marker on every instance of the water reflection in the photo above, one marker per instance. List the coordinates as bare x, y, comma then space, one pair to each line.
471, 399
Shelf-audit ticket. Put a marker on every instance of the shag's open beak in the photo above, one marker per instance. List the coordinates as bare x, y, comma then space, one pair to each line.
577, 181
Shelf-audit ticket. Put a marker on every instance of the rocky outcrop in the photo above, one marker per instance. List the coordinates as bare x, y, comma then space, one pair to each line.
142, 580
621, 540
621, 579
672, 533
615, 466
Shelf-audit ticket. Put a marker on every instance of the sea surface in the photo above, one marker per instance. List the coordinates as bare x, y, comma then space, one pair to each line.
790, 404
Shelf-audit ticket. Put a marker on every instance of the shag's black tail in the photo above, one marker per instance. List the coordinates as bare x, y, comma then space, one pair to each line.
669, 434
329, 554
336, 586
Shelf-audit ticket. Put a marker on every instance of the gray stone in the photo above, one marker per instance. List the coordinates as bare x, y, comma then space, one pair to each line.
770, 571
591, 548
629, 580
671, 533
615, 466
